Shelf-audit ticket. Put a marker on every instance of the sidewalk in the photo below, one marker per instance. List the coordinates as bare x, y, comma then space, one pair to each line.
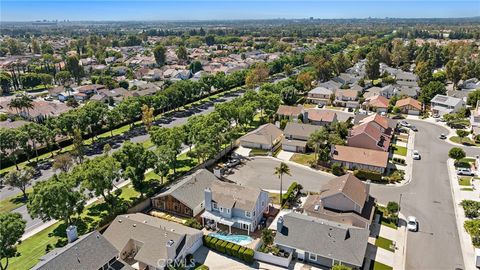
53, 221
468, 251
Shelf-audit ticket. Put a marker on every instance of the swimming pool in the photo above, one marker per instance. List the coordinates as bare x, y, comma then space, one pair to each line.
241, 240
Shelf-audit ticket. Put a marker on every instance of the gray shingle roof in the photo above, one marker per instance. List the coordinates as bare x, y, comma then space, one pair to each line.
299, 129
446, 100
190, 190
235, 196
320, 90
90, 251
264, 134
324, 238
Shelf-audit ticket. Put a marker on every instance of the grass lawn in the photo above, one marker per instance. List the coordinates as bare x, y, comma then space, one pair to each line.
465, 181
12, 203
258, 152
309, 105
384, 243
374, 265
274, 197
464, 141
305, 159
400, 150
466, 189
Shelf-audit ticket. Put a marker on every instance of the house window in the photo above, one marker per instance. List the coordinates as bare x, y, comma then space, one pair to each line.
312, 257
263, 203
228, 210
248, 214
221, 209
214, 206
253, 213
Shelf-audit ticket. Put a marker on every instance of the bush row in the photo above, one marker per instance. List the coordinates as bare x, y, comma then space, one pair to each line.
291, 193
399, 160
368, 175
225, 247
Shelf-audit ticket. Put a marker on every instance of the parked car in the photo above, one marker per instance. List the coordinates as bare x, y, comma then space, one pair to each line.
442, 136
404, 124
416, 155
37, 173
44, 165
414, 128
465, 171
320, 106
412, 224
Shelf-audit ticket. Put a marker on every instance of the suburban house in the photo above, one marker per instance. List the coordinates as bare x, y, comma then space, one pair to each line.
407, 79
264, 137
296, 136
376, 103
332, 85
115, 95
441, 104
290, 112
319, 117
147, 242
347, 98
359, 158
344, 199
235, 206
185, 198
345, 79
385, 124
470, 84
41, 110
320, 241
369, 135
475, 119
90, 251
89, 89
387, 91
320, 95
409, 106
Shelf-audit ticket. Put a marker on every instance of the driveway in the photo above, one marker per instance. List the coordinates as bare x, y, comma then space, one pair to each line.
428, 197
259, 172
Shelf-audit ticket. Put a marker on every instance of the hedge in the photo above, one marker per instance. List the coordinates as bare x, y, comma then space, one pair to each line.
399, 160
290, 192
243, 253
370, 175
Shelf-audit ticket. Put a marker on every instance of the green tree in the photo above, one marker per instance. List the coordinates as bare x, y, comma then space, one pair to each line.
392, 208
20, 179
5, 82
78, 147
12, 227
453, 69
72, 65
473, 98
280, 171
63, 162
372, 67
170, 141
195, 66
430, 90
63, 77
147, 116
318, 139
182, 53
210, 40
267, 237
462, 133
159, 52
456, 153
57, 198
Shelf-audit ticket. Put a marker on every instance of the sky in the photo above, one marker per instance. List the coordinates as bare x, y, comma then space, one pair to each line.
121, 10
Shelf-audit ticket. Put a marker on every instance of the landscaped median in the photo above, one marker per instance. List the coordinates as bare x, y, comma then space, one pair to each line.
225, 247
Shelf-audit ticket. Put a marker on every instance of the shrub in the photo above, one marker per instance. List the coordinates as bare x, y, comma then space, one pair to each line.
337, 169
240, 253
471, 208
235, 250
218, 246
370, 175
291, 193
224, 246
248, 255
193, 223
456, 153
228, 248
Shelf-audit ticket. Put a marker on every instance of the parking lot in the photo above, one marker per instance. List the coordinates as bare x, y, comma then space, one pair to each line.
259, 172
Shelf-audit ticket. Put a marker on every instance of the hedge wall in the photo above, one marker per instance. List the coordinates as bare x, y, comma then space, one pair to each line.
368, 175
290, 192
243, 253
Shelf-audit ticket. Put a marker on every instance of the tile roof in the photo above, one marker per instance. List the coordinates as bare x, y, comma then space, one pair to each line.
377, 101
234, 196
368, 128
321, 115
289, 110
409, 101
264, 134
347, 184
325, 238
360, 156
190, 189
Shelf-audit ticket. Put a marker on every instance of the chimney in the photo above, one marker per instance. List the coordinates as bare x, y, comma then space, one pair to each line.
208, 199
367, 188
72, 234
280, 224
171, 250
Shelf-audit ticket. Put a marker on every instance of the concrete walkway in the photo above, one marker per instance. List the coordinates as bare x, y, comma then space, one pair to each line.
285, 155
458, 195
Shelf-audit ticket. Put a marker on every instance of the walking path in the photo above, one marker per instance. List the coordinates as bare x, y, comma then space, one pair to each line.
459, 195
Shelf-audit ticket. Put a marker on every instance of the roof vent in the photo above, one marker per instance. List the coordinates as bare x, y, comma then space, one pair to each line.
317, 207
119, 221
134, 225
144, 221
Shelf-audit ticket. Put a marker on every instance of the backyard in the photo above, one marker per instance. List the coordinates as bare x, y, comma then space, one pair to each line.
304, 159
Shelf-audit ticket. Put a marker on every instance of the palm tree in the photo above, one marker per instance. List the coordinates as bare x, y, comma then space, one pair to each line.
317, 139
280, 171
26, 103
15, 104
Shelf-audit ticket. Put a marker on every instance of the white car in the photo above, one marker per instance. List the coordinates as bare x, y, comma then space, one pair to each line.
412, 224
442, 136
416, 155
465, 171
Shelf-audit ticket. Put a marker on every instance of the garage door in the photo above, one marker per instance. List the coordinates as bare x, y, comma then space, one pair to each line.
413, 112
290, 148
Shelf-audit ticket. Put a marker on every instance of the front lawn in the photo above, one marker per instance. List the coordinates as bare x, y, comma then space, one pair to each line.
384, 243
374, 265
258, 152
466, 189
399, 150
13, 202
383, 219
305, 159
464, 141
465, 181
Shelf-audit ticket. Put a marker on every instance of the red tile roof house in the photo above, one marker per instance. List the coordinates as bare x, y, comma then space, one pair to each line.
319, 117
376, 103
370, 136
385, 124
290, 112
359, 158
409, 106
